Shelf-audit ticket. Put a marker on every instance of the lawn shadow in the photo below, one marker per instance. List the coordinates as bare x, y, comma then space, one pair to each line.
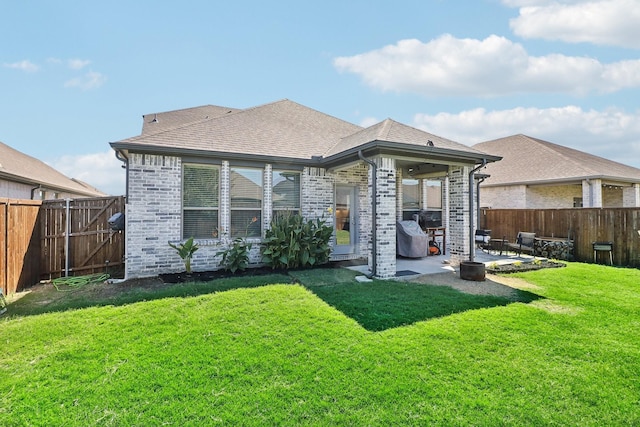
45, 298
385, 304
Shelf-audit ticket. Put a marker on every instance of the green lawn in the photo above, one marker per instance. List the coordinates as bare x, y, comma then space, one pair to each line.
245, 352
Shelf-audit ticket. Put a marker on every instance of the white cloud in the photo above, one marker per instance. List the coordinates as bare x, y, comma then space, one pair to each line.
78, 64
24, 65
494, 66
612, 134
101, 170
368, 121
90, 80
602, 22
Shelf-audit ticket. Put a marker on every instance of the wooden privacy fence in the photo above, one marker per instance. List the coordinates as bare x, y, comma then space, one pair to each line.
583, 225
19, 244
90, 246
35, 244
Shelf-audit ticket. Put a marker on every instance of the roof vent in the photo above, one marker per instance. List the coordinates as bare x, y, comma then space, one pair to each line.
155, 119
429, 143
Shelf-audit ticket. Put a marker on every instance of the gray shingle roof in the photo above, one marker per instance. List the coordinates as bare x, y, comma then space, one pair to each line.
158, 122
529, 160
282, 129
391, 131
17, 166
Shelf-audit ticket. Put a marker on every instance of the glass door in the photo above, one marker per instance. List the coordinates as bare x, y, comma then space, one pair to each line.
345, 220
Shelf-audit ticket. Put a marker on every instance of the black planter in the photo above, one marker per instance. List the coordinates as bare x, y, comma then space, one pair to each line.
472, 271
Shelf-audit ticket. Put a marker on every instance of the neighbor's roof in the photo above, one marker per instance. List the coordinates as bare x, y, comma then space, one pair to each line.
527, 160
282, 129
19, 167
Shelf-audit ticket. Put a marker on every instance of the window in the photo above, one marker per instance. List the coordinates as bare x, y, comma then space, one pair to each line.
412, 191
200, 201
411, 197
285, 193
434, 195
577, 202
246, 202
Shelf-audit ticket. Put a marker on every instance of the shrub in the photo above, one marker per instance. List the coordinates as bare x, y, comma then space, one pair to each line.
185, 251
292, 242
236, 257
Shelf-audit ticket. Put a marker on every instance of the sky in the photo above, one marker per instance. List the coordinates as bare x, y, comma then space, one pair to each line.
76, 75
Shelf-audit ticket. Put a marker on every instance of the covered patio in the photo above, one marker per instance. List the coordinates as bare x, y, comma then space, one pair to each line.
412, 267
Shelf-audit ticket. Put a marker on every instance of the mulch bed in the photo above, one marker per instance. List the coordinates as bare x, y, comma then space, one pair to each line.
525, 266
205, 276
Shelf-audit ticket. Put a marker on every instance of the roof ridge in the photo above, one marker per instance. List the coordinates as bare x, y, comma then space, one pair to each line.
550, 146
387, 124
184, 125
188, 108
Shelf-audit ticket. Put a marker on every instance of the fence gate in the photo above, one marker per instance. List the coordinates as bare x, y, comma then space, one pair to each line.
77, 239
19, 244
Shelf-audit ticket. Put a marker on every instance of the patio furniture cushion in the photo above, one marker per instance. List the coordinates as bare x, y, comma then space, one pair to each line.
411, 241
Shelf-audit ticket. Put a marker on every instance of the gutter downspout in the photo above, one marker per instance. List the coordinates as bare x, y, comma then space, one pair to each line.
39, 187
471, 225
374, 196
124, 160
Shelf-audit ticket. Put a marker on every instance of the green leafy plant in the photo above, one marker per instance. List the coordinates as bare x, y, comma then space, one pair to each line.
185, 251
292, 242
517, 263
236, 257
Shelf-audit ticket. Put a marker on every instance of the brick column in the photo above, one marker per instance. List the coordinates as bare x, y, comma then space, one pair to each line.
225, 202
153, 216
631, 196
592, 193
385, 218
267, 198
459, 214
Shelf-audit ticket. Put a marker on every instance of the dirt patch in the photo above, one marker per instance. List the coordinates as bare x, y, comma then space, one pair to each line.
507, 287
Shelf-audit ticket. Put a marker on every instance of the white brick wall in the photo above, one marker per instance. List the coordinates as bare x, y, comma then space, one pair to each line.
631, 196
154, 213
153, 216
386, 218
552, 196
458, 231
504, 197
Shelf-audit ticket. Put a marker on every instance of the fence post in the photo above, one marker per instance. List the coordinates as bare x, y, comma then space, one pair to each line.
66, 238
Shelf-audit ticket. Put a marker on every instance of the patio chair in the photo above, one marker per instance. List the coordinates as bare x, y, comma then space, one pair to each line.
411, 241
482, 238
524, 243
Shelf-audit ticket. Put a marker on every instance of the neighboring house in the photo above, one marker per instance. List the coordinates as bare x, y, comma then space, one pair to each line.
25, 177
537, 174
219, 173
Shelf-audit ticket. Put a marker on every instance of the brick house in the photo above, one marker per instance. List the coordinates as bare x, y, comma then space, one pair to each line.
209, 171
536, 174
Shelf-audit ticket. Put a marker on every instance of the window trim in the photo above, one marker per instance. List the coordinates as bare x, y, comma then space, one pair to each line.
298, 209
241, 165
184, 208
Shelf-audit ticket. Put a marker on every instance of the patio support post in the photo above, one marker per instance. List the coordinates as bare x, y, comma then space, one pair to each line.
471, 212
374, 193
